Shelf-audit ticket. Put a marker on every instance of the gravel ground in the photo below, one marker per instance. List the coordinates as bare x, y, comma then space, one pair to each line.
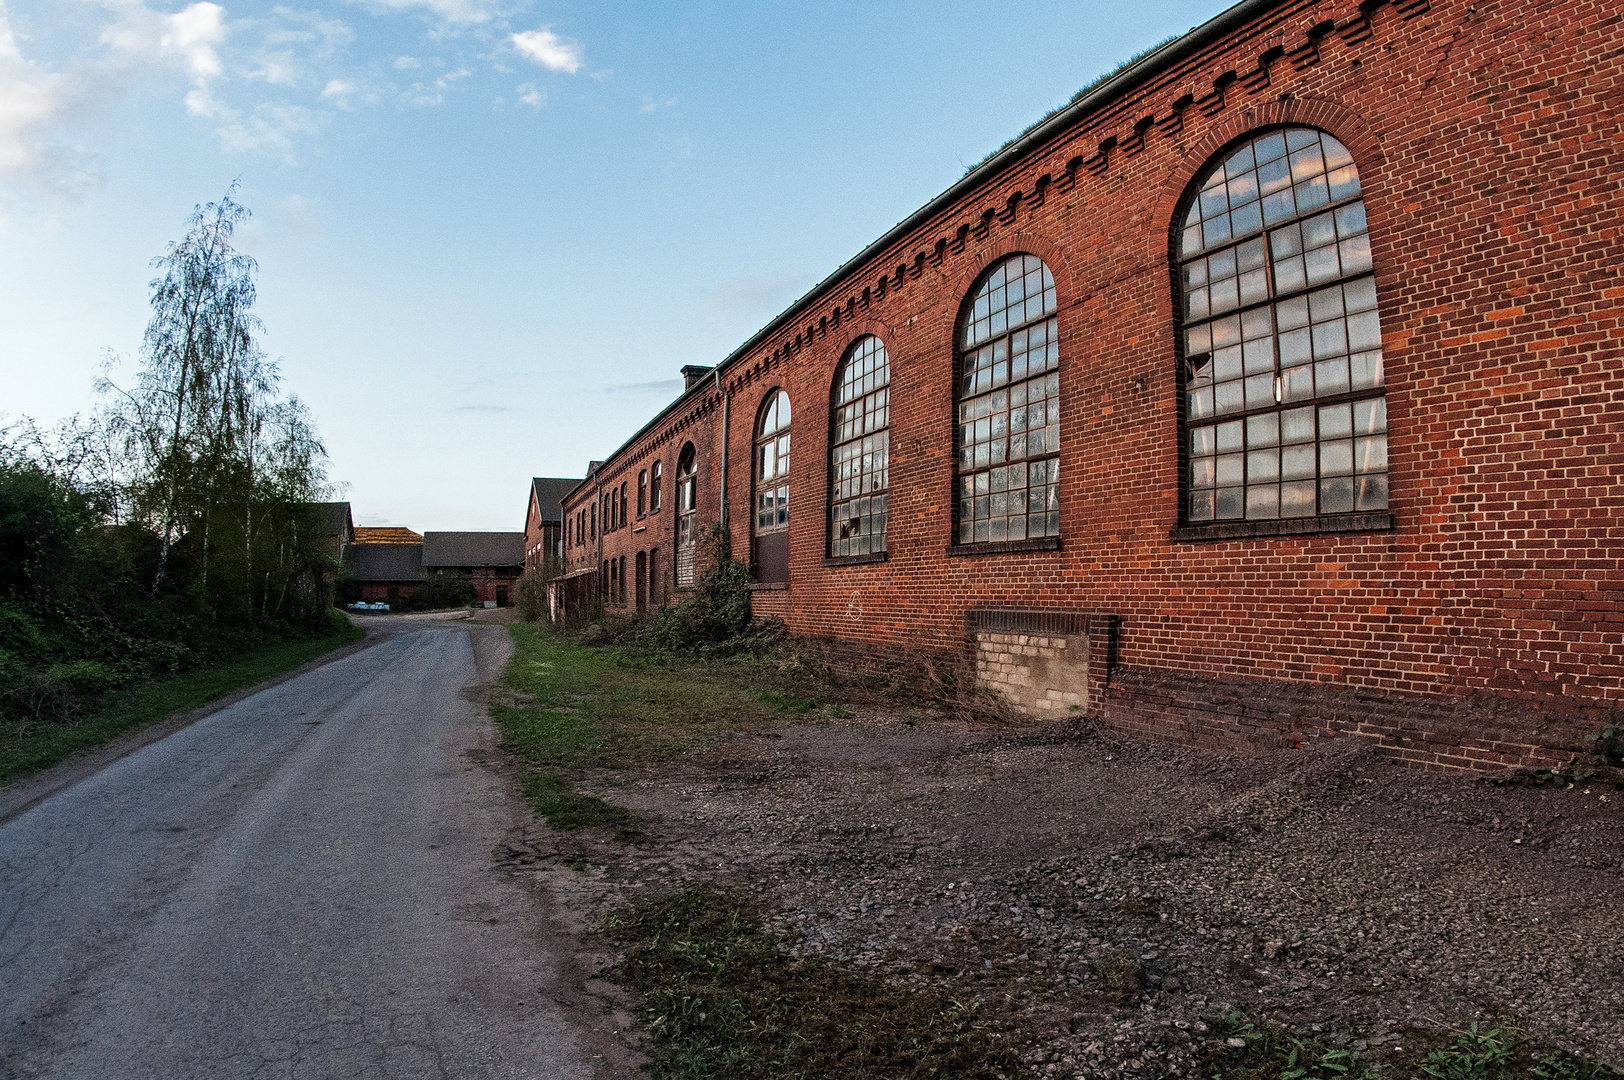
1103, 895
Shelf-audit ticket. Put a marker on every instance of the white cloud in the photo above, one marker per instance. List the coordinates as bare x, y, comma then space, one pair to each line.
408, 63
191, 37
531, 96
652, 104
426, 95
549, 50
455, 11
291, 41
269, 128
35, 102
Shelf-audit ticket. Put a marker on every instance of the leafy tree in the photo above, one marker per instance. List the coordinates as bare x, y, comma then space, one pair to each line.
215, 462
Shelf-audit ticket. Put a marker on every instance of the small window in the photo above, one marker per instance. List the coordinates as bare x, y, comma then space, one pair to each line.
687, 514
772, 490
654, 489
1285, 414
860, 450
594, 521
623, 505
1008, 434
772, 465
642, 493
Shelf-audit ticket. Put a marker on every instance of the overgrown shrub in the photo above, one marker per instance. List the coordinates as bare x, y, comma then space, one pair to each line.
716, 617
530, 594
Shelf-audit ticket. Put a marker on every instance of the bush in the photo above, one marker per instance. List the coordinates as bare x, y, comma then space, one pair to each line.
530, 594
717, 615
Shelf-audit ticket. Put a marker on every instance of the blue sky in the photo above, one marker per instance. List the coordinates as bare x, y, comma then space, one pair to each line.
490, 232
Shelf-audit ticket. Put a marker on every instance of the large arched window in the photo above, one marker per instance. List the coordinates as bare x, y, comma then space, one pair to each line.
1284, 409
687, 513
1009, 406
860, 450
772, 489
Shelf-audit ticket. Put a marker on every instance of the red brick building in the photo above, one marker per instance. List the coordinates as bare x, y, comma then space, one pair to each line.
544, 519
1270, 390
491, 561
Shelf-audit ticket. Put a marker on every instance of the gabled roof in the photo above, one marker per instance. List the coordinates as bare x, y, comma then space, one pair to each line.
389, 535
473, 549
384, 562
335, 519
548, 492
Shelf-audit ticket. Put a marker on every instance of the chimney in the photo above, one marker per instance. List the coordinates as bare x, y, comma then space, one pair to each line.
691, 374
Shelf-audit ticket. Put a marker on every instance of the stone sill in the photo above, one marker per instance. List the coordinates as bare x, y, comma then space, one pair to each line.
769, 586
1003, 547
1305, 526
855, 560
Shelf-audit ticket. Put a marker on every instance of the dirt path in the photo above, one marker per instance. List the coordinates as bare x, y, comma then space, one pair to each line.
1104, 894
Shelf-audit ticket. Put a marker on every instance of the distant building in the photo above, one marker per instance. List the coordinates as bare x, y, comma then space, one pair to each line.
388, 535
337, 525
493, 561
389, 571
544, 519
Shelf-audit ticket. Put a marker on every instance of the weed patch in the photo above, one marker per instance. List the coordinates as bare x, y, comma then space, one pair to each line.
1248, 1051
725, 999
1474, 1055
609, 707
565, 808
1119, 974
1562, 1065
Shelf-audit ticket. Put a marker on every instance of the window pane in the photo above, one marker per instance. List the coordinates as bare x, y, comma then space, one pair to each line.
1009, 402
1294, 349
859, 452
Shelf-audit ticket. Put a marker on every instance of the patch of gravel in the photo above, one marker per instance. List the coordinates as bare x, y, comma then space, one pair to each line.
1104, 894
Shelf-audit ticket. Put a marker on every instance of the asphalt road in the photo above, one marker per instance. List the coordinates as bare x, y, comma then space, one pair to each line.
301, 885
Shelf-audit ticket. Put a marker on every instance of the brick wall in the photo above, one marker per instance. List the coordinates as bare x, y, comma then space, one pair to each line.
1486, 624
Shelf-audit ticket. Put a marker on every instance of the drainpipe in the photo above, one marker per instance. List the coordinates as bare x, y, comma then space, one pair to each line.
727, 402
597, 508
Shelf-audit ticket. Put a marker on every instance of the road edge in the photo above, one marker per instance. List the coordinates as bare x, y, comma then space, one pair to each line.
22, 795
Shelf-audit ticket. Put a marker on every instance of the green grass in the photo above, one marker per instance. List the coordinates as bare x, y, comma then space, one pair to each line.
156, 699
1276, 1052
593, 707
564, 808
725, 1000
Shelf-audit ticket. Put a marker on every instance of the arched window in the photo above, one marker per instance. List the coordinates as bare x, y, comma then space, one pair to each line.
622, 519
772, 489
860, 450
687, 514
642, 493
654, 489
1009, 406
1285, 413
